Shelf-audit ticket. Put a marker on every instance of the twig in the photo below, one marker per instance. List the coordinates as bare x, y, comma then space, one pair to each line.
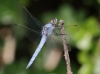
60, 25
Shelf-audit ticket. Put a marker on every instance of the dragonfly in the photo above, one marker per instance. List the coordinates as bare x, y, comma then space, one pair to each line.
45, 32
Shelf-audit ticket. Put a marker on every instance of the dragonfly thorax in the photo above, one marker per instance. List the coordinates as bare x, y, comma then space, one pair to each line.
48, 29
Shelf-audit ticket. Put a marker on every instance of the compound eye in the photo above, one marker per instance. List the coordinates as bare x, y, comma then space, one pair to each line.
53, 20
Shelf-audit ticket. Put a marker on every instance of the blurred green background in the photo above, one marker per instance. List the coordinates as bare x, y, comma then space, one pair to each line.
16, 50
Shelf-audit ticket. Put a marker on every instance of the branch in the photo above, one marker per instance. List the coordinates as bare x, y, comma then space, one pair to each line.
60, 25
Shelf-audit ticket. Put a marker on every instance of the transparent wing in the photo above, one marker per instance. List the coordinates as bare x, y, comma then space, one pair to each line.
31, 21
32, 24
72, 33
31, 34
56, 40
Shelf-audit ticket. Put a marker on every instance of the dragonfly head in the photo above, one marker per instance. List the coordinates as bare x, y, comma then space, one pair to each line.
53, 21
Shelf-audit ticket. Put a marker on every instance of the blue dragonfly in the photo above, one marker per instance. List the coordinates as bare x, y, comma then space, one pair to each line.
46, 32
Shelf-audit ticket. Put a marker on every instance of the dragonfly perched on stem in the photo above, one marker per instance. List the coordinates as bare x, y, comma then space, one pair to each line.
45, 32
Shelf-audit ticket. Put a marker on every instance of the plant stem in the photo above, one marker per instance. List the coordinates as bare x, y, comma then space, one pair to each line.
66, 54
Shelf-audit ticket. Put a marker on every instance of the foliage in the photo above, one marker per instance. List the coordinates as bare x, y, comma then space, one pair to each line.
84, 40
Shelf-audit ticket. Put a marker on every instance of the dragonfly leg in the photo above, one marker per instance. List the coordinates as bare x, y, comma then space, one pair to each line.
55, 33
